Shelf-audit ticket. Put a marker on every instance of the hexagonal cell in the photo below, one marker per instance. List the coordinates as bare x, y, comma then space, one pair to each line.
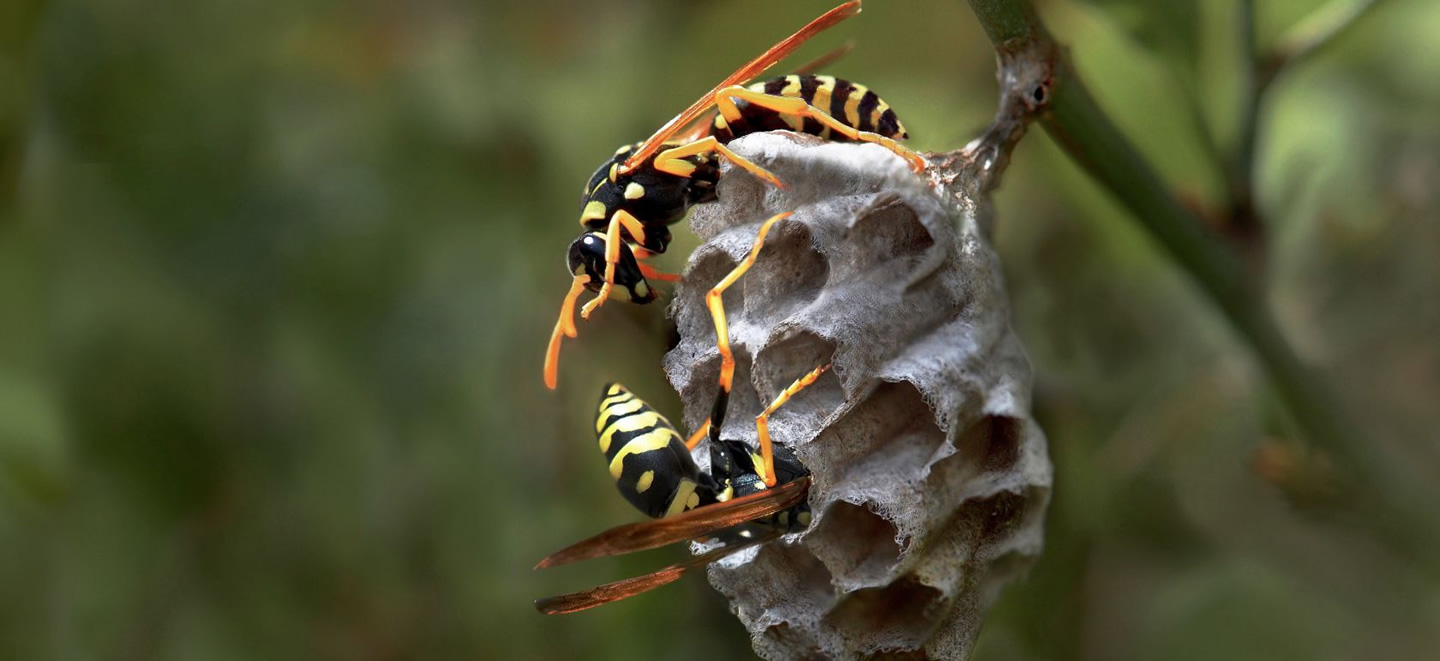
889, 435
797, 583
899, 615
856, 543
889, 233
788, 273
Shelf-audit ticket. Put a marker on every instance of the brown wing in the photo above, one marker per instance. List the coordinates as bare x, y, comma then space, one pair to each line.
604, 594
826, 59
681, 527
744, 74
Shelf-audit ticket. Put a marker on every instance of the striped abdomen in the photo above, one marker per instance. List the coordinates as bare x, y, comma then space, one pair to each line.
852, 104
648, 459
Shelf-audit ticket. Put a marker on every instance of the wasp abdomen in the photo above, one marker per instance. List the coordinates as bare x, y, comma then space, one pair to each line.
852, 104
648, 460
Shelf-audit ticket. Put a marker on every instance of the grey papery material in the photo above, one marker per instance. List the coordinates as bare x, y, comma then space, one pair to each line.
931, 477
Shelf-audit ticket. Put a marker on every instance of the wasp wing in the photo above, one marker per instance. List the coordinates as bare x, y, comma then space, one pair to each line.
604, 594
744, 74
689, 525
704, 122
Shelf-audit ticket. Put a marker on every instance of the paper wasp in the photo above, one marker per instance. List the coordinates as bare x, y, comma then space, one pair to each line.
628, 205
654, 471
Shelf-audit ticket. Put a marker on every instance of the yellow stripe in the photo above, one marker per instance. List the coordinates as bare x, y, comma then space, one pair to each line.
634, 191
823, 93
683, 495
792, 86
792, 90
614, 398
852, 105
614, 411
628, 423
875, 114
655, 440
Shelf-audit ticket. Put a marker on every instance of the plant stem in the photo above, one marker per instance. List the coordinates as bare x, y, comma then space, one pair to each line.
1242, 222
1386, 492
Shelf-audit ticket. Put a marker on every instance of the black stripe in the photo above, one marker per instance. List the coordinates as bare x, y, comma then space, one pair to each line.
808, 85
889, 124
774, 85
868, 104
843, 88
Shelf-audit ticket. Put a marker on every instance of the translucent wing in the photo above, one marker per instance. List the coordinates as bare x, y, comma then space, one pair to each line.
604, 594
682, 527
752, 69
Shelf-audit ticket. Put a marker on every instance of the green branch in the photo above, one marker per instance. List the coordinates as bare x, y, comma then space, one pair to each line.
1385, 493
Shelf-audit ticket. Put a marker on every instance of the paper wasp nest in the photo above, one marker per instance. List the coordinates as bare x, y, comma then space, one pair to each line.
930, 476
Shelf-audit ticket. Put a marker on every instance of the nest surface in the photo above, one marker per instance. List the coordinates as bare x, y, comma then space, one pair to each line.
930, 477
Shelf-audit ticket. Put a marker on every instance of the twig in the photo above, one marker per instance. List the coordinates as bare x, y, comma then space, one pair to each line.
1387, 493
1244, 223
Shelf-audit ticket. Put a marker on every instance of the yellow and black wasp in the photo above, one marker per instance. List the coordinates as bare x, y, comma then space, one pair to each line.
654, 471
627, 207
747, 498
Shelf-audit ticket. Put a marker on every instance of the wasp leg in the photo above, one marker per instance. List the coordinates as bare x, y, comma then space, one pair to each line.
722, 334
762, 421
565, 325
698, 436
621, 218
641, 254
671, 161
651, 274
725, 100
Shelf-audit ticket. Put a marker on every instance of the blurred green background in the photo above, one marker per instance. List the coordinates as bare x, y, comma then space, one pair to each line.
276, 280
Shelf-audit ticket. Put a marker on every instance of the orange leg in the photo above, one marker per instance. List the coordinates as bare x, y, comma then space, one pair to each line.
565, 325
762, 421
651, 274
672, 160
717, 307
713, 300
632, 225
797, 107
698, 436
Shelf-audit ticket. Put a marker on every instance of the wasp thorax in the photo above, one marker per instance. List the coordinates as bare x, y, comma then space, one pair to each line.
929, 475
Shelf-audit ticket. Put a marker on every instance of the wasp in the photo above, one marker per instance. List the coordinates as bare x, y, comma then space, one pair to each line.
654, 471
748, 498
627, 207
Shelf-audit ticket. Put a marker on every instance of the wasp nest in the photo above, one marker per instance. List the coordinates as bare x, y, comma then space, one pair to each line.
930, 478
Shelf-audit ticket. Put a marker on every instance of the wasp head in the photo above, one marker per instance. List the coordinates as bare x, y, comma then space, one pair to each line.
587, 257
